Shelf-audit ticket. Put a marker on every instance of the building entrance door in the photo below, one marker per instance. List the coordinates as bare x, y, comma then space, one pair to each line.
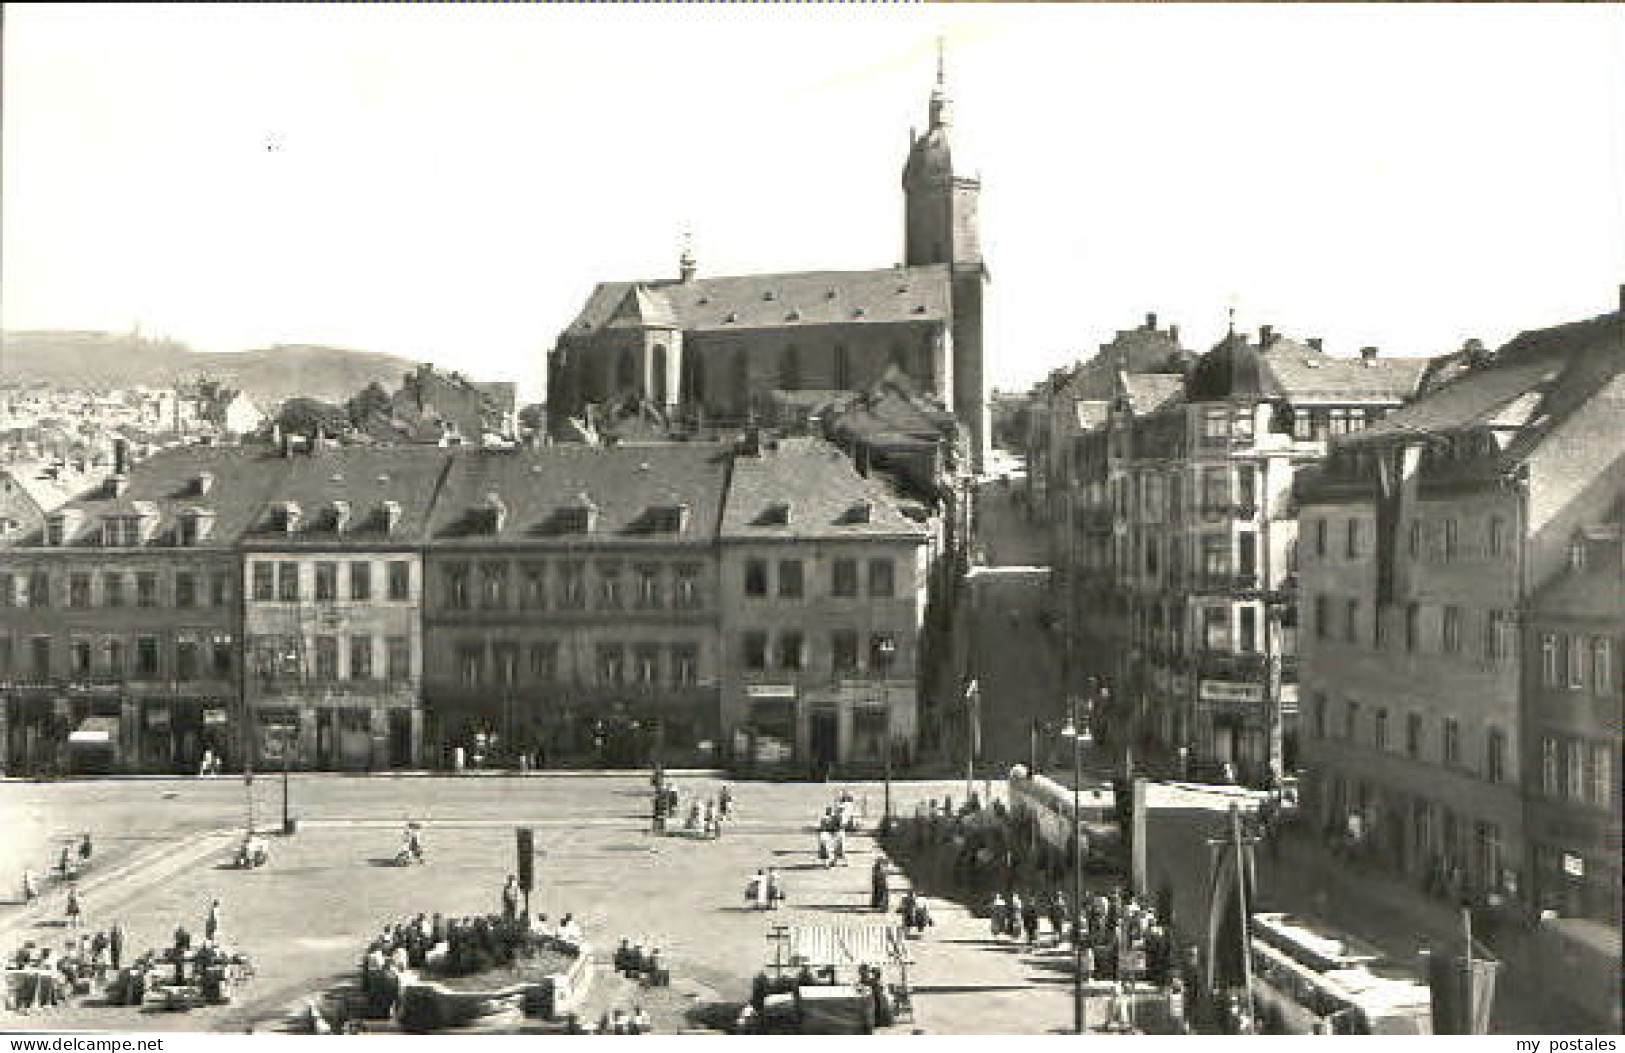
400, 738
823, 740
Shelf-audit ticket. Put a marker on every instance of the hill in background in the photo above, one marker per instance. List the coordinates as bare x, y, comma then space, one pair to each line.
97, 360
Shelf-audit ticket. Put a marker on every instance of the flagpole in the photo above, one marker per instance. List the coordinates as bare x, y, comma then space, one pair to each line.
1241, 905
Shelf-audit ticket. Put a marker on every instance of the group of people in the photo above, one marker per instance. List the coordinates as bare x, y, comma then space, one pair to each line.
73, 860
614, 1022
641, 961
45, 977
765, 890
704, 819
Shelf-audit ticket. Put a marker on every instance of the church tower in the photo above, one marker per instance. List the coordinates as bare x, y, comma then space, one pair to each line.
940, 227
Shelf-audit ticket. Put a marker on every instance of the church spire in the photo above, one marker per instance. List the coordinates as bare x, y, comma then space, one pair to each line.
940, 106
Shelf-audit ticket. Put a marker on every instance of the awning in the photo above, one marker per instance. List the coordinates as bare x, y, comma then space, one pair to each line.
100, 731
846, 945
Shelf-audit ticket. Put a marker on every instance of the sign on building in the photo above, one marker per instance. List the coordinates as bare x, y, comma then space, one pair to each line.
1230, 691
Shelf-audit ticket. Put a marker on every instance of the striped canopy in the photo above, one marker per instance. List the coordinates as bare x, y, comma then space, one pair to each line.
846, 945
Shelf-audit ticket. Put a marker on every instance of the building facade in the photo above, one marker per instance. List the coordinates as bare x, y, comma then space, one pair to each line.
120, 620
823, 582
572, 610
1423, 540
333, 569
712, 349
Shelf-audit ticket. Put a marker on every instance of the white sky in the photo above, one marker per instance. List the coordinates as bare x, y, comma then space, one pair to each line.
449, 181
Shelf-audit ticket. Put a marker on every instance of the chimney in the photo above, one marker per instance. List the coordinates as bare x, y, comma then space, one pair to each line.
1316, 344
1151, 320
392, 516
1368, 354
1173, 333
1266, 336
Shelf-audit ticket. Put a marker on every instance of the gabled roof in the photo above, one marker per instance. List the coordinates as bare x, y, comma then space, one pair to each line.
823, 490
166, 485
367, 478
1302, 373
50, 488
643, 307
628, 486
1150, 391
772, 301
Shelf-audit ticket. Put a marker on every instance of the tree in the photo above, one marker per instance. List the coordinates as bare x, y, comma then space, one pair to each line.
371, 401
304, 416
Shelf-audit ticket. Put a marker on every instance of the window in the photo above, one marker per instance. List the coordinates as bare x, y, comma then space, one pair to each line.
1320, 715
505, 664
400, 580
1602, 777
1413, 735
882, 653
220, 655
790, 651
327, 658
1452, 742
1321, 531
544, 662
755, 577
471, 663
1449, 549
1417, 536
361, 582
1351, 720
1249, 629
1577, 554
398, 658
146, 589
685, 665
844, 578
1550, 671
753, 651
1351, 549
1497, 536
327, 582
39, 656
844, 652
220, 590
572, 586
458, 594
1215, 491
1450, 630
791, 585
882, 578
1216, 628
186, 659
1247, 553
609, 586
646, 665
39, 588
1323, 617
146, 656
650, 596
611, 665
1576, 662
264, 585
1351, 621
360, 658
79, 658
1574, 756
1215, 427
1551, 783
287, 582
8, 591
1379, 733
688, 587
1413, 626
1602, 665
113, 653
533, 587
1246, 486
185, 589
1495, 755
493, 586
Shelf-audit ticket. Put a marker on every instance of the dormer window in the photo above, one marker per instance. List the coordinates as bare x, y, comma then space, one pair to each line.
339, 515
859, 512
59, 528
776, 513
121, 531
204, 483
195, 526
496, 512
392, 516
668, 519
1577, 554
580, 517
289, 516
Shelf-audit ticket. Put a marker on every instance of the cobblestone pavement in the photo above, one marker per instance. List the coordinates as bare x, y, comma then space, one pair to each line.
305, 918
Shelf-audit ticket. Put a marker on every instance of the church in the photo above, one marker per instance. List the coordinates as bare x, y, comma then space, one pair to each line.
708, 351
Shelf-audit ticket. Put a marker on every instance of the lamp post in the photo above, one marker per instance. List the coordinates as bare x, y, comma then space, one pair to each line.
1078, 732
888, 648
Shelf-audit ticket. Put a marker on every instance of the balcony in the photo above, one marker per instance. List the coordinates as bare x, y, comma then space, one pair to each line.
1224, 581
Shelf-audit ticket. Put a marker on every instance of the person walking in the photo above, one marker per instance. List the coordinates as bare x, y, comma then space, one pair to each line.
115, 946
211, 923
998, 914
74, 910
1012, 925
879, 888
1029, 921
1057, 916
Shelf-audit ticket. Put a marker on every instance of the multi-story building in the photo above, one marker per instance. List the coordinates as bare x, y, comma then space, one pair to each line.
1179, 540
823, 587
1422, 541
1573, 705
572, 607
333, 574
119, 616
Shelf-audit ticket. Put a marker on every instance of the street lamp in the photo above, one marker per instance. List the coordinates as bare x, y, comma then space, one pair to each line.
887, 649
1078, 732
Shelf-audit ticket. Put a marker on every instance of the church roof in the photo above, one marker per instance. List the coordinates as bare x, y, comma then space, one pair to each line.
771, 301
